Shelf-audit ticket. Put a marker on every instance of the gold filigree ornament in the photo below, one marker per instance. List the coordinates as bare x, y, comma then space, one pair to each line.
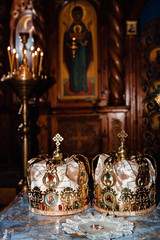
107, 176
124, 186
82, 174
127, 195
36, 198
51, 179
126, 199
97, 194
68, 198
58, 185
142, 199
143, 176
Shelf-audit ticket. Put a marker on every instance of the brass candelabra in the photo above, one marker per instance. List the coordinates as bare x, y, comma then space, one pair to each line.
25, 83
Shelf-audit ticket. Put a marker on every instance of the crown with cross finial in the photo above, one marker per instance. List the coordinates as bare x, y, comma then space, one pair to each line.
122, 151
124, 184
58, 185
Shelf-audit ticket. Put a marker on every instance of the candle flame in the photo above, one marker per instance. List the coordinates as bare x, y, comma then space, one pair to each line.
40, 64
9, 56
14, 50
17, 61
35, 60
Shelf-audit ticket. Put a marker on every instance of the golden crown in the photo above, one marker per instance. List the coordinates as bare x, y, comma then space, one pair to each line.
58, 185
124, 185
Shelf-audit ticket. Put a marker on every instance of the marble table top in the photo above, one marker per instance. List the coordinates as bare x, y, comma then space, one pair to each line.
17, 222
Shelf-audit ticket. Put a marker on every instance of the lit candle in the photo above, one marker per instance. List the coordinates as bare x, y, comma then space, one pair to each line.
17, 61
9, 56
40, 63
32, 49
38, 57
33, 63
13, 60
38, 51
25, 58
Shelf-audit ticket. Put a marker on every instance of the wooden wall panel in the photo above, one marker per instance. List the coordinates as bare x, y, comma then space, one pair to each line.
134, 92
82, 134
5, 138
88, 134
42, 137
116, 122
10, 140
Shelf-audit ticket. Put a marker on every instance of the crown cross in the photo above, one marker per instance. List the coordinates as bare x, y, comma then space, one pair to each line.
58, 139
122, 135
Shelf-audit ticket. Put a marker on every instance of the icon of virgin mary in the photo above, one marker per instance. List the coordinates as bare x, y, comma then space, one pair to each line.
77, 65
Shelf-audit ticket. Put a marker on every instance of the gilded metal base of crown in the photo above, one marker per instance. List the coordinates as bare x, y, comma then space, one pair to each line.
127, 203
52, 212
67, 201
126, 214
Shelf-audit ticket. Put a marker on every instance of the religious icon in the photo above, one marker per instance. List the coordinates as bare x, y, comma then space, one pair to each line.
131, 27
78, 65
51, 199
109, 198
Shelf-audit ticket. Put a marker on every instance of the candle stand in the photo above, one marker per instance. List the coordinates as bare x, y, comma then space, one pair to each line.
25, 84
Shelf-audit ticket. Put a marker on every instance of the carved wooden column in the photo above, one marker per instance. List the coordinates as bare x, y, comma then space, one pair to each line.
116, 83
